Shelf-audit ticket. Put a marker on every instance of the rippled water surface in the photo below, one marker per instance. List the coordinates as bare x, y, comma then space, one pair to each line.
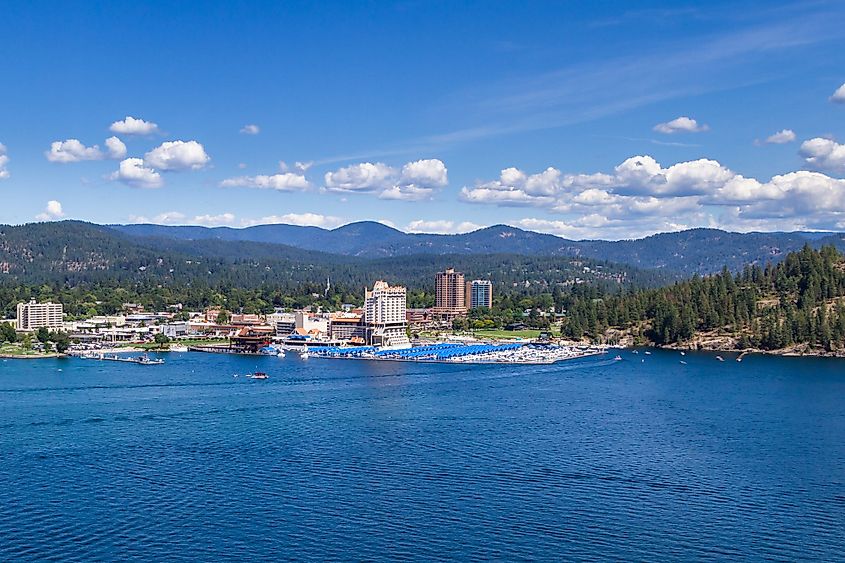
643, 459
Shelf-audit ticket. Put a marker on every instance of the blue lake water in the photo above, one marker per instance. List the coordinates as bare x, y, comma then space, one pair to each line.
644, 459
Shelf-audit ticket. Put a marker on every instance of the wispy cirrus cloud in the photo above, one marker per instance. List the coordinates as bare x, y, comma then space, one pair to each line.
596, 89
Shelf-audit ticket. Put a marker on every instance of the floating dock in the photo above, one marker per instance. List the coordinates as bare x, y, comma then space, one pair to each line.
140, 360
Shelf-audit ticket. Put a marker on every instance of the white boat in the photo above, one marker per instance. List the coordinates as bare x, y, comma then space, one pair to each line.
281, 354
304, 355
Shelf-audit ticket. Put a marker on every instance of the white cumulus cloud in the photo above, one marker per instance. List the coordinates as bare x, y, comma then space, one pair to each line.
133, 172
364, 177
133, 126
250, 129
214, 220
169, 218
781, 137
415, 181
824, 154
116, 148
301, 219
681, 124
441, 226
285, 182
72, 150
177, 155
4, 161
52, 211
838, 97
642, 197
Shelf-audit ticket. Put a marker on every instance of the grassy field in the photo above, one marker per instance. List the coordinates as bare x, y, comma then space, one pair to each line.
16, 350
505, 334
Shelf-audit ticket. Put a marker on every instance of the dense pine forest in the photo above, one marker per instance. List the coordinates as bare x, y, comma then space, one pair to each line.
801, 300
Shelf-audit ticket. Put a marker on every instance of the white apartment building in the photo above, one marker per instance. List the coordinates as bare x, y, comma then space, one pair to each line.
32, 316
384, 315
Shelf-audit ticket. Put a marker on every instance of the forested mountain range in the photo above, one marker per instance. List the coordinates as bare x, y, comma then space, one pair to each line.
699, 251
71, 255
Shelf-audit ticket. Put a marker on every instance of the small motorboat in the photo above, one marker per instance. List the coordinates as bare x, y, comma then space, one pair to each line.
647, 353
259, 375
145, 360
304, 355
720, 358
617, 358
683, 363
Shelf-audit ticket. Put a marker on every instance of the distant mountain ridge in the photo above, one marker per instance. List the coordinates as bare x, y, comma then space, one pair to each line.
687, 252
74, 253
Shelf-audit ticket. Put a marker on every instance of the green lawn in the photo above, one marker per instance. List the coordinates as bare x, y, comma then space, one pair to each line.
16, 350
503, 334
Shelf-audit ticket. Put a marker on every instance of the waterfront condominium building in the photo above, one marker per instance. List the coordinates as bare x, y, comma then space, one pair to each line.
384, 315
449, 294
479, 293
32, 316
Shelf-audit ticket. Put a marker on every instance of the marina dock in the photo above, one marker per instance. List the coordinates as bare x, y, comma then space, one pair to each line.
143, 360
510, 353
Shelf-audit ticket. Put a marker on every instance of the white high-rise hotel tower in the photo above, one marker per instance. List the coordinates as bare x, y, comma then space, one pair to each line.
384, 315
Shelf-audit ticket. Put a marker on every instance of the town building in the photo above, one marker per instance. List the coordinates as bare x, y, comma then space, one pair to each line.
245, 319
347, 327
176, 330
479, 293
284, 323
384, 315
32, 316
312, 323
449, 295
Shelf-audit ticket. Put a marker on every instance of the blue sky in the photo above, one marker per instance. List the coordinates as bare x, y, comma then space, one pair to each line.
593, 119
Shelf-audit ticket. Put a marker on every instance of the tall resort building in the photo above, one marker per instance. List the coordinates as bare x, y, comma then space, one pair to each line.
449, 294
479, 293
384, 316
32, 316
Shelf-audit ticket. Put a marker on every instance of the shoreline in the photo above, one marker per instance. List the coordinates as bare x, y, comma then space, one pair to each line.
792, 352
32, 356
